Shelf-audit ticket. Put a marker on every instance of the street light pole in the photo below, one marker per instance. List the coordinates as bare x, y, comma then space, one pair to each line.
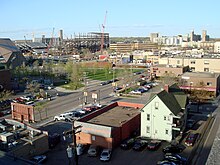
74, 141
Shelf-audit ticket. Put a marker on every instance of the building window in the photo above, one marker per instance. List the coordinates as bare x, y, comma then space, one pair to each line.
206, 62
148, 129
166, 131
206, 69
178, 61
148, 117
156, 105
93, 138
193, 62
209, 83
165, 118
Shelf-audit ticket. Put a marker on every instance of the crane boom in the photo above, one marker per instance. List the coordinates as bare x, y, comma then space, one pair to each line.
103, 31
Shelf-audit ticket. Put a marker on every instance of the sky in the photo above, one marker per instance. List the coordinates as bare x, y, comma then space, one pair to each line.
124, 18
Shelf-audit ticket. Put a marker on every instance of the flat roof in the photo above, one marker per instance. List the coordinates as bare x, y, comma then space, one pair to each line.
200, 74
115, 117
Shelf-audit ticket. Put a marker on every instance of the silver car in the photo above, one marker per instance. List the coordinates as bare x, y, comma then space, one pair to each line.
93, 150
105, 155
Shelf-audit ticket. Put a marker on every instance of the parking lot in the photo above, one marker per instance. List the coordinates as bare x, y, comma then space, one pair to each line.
58, 155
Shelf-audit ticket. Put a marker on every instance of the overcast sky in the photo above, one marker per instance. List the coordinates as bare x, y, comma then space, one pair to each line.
21, 18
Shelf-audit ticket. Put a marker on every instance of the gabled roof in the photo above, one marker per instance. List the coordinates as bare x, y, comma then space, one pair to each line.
175, 100
170, 101
6, 43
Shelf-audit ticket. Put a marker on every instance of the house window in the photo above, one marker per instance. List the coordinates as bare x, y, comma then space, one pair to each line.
148, 129
165, 118
166, 131
206, 69
155, 131
209, 83
93, 138
178, 61
168, 118
148, 117
156, 105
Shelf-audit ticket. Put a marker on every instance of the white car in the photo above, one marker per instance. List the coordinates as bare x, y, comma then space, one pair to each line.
64, 117
105, 155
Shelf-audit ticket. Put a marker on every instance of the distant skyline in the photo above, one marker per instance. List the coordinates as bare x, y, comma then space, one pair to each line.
125, 18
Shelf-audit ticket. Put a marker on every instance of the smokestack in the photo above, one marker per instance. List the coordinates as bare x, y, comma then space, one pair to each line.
166, 88
61, 35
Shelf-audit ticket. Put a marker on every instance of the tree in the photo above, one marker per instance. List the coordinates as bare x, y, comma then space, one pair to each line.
169, 79
5, 94
32, 88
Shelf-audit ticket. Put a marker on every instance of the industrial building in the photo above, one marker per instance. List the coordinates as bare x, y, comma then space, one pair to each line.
109, 125
22, 141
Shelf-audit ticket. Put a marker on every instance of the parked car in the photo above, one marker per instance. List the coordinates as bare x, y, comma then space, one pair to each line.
127, 143
64, 117
53, 140
105, 155
39, 159
117, 89
190, 123
153, 145
93, 150
191, 139
176, 158
139, 145
103, 83
173, 149
165, 162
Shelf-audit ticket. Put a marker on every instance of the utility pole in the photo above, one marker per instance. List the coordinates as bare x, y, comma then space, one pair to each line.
74, 131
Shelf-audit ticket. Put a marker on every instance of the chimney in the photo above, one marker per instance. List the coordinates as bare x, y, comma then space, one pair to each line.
166, 88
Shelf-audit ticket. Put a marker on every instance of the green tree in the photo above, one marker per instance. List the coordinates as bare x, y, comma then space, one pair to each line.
5, 94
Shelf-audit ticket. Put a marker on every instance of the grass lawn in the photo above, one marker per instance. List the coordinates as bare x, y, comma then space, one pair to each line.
104, 74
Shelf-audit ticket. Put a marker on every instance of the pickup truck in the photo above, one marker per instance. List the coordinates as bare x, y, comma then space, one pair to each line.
64, 117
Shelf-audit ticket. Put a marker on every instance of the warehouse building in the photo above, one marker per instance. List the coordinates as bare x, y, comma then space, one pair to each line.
108, 126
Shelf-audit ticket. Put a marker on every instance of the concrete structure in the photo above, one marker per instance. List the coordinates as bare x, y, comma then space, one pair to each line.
201, 81
129, 47
109, 125
153, 36
10, 56
5, 80
217, 47
162, 70
200, 64
164, 116
22, 112
20, 140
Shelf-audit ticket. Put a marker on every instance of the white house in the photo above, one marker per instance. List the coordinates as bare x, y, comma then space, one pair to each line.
164, 116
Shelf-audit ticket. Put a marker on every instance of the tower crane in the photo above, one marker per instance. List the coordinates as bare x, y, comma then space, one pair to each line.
103, 31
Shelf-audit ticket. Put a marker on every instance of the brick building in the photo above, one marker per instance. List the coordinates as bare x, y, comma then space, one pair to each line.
22, 112
161, 70
110, 125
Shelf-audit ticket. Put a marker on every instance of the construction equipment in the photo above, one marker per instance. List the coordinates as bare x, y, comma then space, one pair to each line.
103, 31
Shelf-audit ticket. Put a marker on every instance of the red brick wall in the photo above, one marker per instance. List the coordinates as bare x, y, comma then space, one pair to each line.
20, 111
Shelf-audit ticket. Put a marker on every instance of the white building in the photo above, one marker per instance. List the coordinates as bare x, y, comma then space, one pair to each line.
217, 47
164, 116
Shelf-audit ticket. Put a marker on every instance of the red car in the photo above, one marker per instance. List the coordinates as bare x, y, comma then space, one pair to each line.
191, 139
